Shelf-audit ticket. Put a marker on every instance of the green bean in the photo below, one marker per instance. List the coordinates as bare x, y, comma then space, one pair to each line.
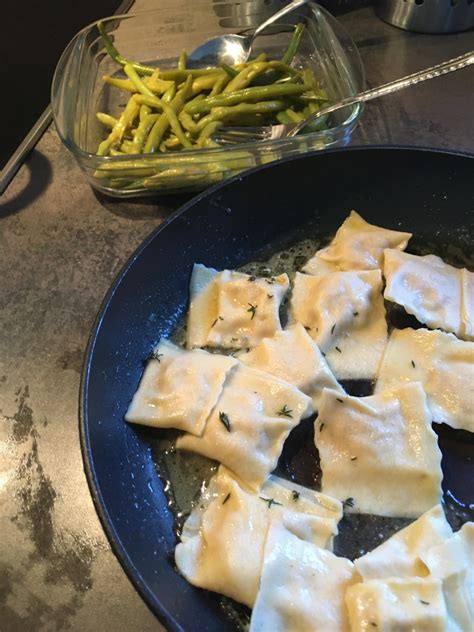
127, 147
157, 86
145, 110
294, 44
160, 127
232, 72
295, 117
181, 75
245, 95
116, 56
245, 76
219, 85
206, 82
142, 131
232, 112
207, 132
283, 118
106, 119
182, 60
125, 121
170, 93
187, 121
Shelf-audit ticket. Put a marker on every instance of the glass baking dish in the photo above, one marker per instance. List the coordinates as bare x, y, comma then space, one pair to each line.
157, 38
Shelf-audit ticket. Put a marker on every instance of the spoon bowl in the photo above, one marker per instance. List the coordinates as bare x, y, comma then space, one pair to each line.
233, 49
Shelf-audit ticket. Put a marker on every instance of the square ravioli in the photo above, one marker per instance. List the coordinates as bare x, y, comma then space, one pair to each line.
357, 245
380, 452
344, 314
231, 519
436, 293
452, 562
302, 587
179, 388
249, 424
397, 605
399, 556
443, 364
292, 355
233, 310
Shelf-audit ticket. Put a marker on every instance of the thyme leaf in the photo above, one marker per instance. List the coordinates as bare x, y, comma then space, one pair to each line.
341, 401
349, 502
353, 458
333, 328
413, 364
226, 499
321, 426
270, 501
224, 419
156, 356
270, 295
337, 349
285, 412
307, 328
355, 314
253, 310
295, 495
425, 603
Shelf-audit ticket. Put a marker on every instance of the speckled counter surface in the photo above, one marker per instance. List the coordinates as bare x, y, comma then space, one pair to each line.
60, 248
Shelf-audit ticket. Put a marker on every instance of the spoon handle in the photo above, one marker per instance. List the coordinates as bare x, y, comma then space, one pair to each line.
279, 14
393, 86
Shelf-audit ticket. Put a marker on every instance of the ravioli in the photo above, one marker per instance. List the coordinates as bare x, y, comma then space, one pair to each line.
292, 355
302, 587
397, 605
357, 245
179, 388
452, 562
249, 424
379, 452
223, 538
443, 364
344, 314
229, 309
400, 555
437, 294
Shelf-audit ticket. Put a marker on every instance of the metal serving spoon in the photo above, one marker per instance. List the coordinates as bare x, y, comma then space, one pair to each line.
233, 49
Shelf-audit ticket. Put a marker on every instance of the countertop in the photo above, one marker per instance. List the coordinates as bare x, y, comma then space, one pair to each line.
61, 246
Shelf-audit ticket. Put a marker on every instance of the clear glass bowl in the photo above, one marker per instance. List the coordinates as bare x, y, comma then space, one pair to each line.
78, 92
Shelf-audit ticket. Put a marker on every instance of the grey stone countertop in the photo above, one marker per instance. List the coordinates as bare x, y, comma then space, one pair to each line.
60, 249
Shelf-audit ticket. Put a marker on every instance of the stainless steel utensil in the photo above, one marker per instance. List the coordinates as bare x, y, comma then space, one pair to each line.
233, 49
237, 135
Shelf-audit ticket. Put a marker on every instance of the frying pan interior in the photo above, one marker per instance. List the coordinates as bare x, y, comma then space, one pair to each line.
428, 193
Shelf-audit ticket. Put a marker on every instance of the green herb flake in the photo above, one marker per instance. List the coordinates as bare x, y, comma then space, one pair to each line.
337, 349
355, 314
307, 328
285, 412
253, 310
252, 278
413, 364
425, 603
295, 495
333, 328
353, 458
270, 280
349, 502
270, 295
224, 419
341, 401
226, 498
321, 426
156, 356
270, 501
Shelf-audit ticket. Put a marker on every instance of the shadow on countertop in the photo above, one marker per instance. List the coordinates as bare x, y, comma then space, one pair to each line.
39, 176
